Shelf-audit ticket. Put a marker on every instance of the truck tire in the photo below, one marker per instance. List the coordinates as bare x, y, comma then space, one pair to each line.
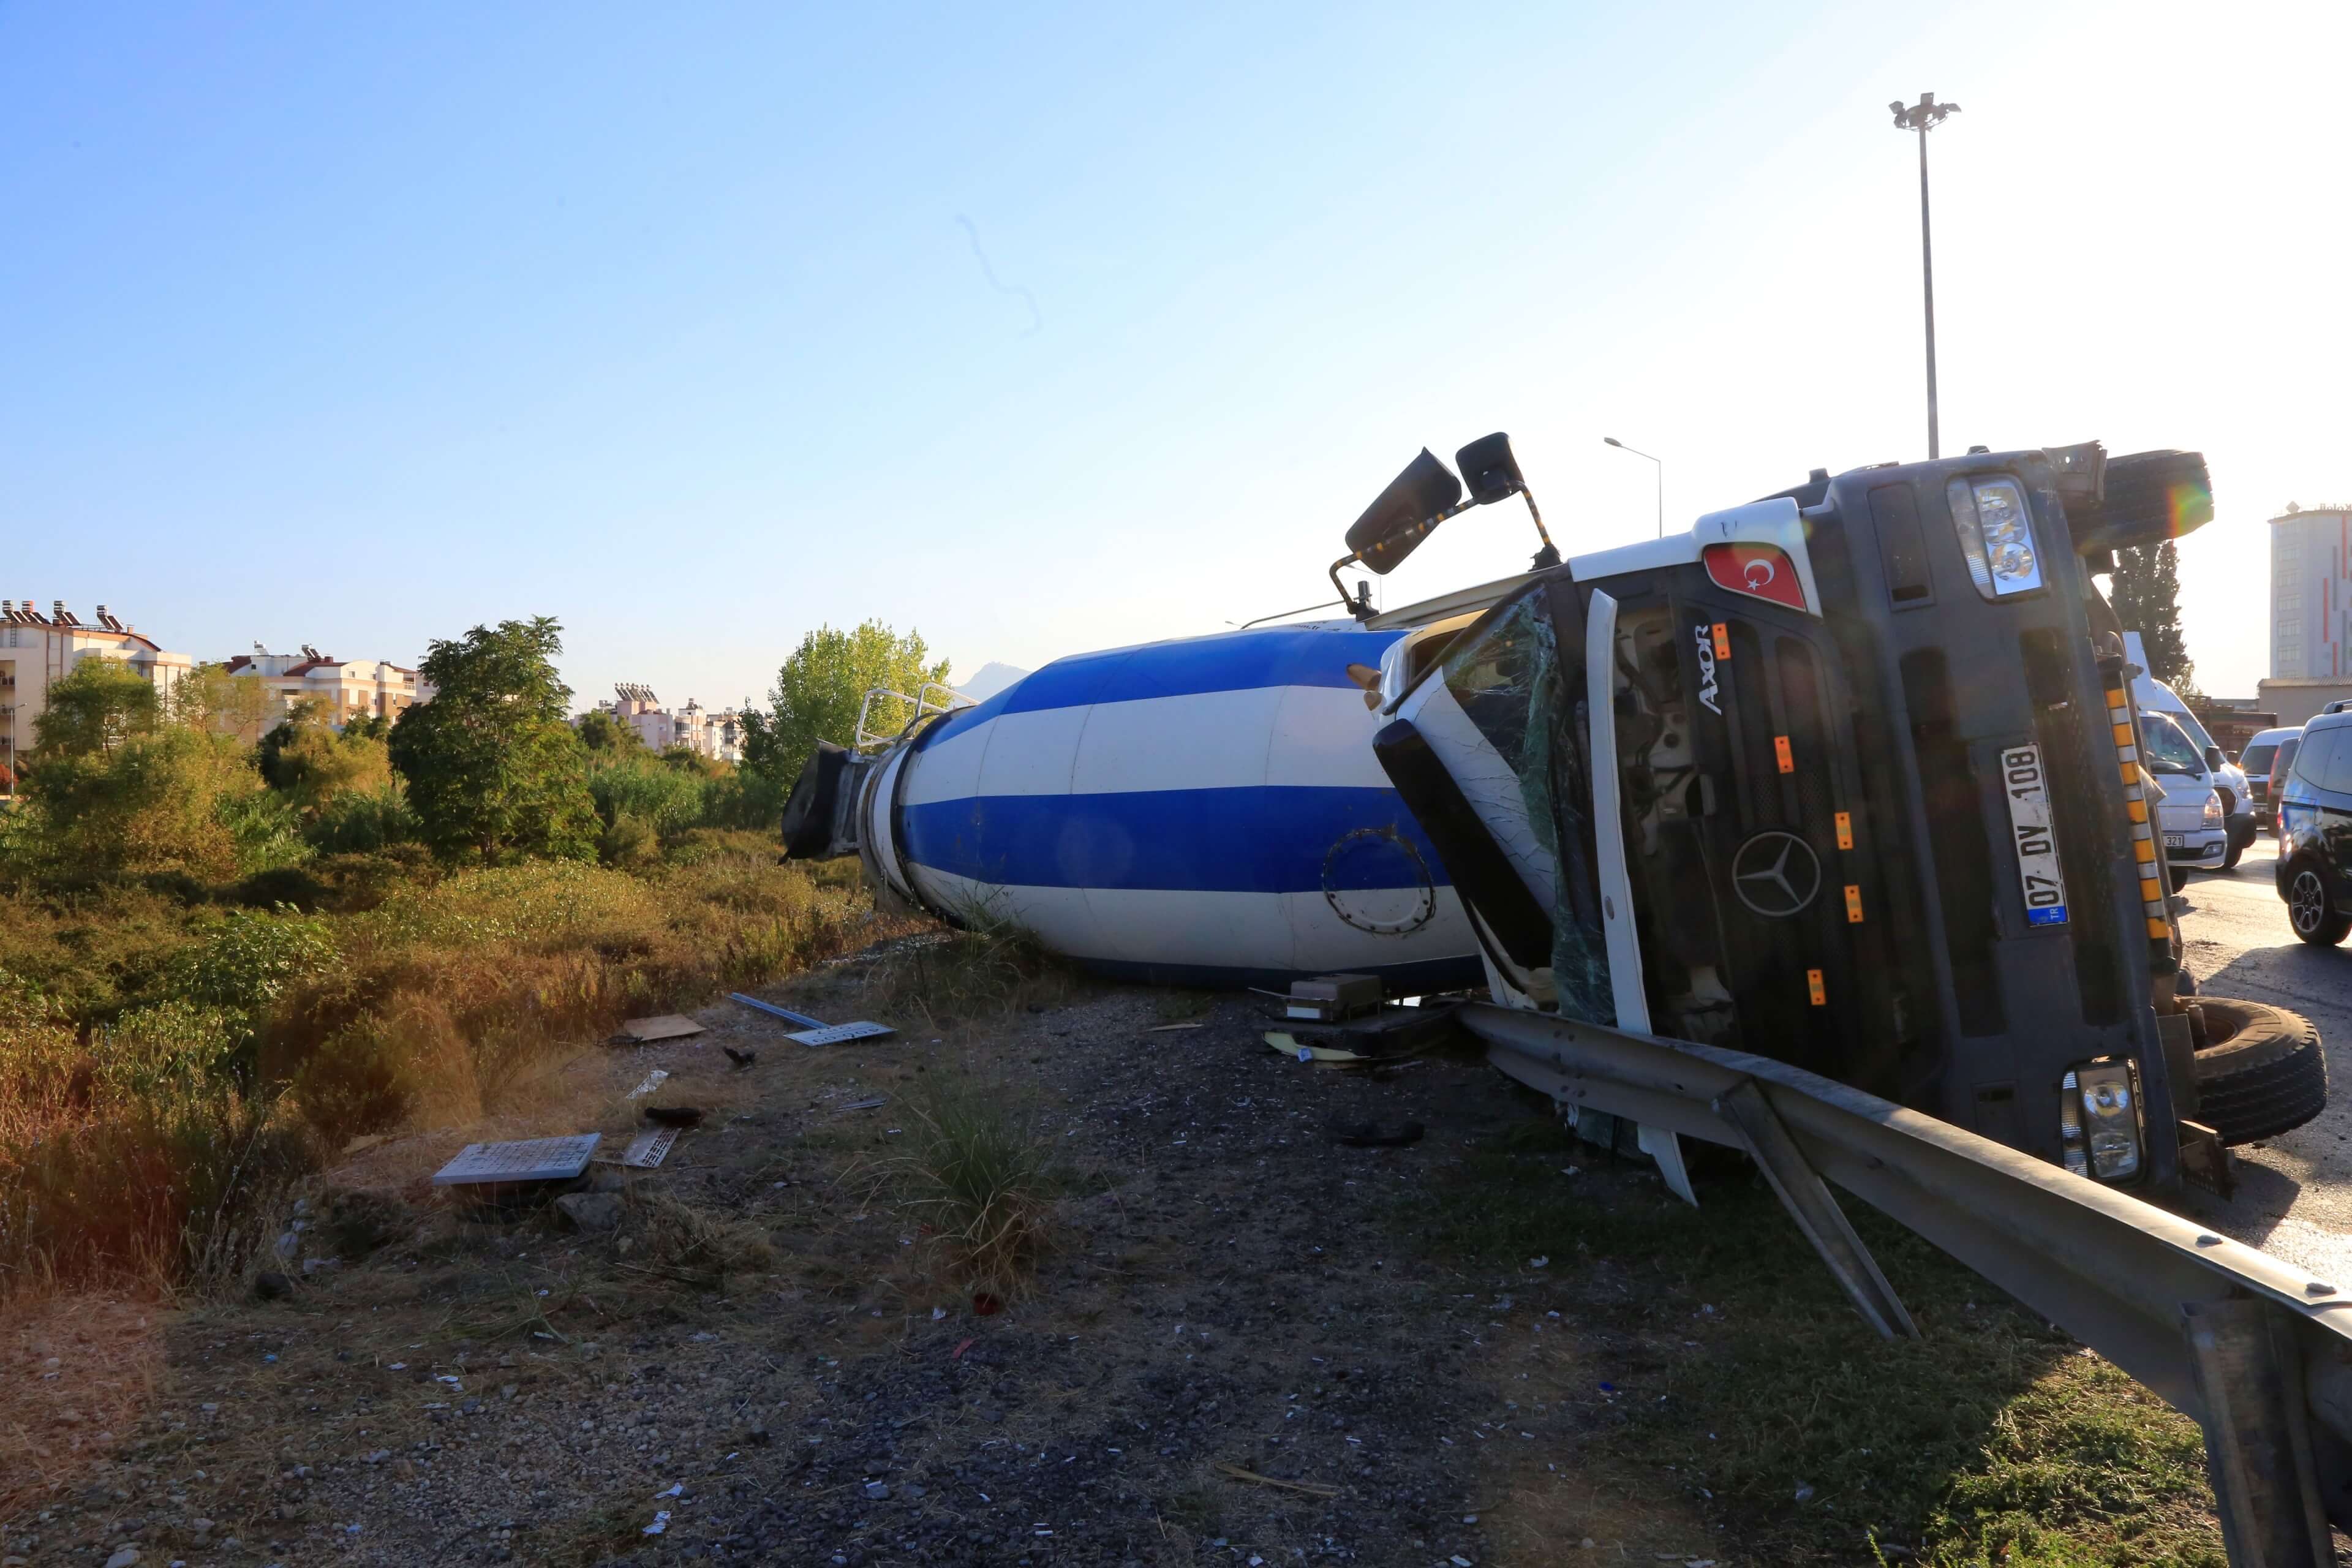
2311, 906
2149, 497
2261, 1071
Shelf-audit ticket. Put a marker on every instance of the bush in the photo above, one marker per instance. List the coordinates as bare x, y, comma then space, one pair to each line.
247, 962
158, 801
667, 799
363, 822
630, 840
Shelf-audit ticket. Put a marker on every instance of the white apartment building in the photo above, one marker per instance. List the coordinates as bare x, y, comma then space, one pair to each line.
717, 735
351, 688
37, 651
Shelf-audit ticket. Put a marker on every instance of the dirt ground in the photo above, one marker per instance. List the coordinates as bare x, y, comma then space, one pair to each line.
1232, 1353
1250, 1343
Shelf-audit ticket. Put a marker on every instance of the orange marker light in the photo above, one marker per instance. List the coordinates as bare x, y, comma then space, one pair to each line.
1722, 640
1813, 986
1853, 903
1780, 750
1845, 830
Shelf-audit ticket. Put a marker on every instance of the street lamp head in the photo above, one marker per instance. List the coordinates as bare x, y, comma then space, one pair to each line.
1611, 441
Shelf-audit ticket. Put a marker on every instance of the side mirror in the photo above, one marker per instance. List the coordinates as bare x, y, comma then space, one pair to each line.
1393, 526
2213, 759
1489, 470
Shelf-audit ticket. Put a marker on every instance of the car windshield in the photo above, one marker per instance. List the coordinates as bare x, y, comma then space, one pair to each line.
2168, 751
2257, 759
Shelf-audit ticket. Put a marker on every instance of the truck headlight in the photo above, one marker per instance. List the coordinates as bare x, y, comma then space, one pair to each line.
1996, 535
2098, 1113
2212, 810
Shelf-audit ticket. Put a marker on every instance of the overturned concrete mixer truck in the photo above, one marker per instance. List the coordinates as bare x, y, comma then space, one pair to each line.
1204, 811
1848, 776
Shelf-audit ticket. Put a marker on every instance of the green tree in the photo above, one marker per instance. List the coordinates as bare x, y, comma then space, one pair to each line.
159, 801
494, 770
820, 687
311, 763
2146, 593
95, 710
209, 698
600, 733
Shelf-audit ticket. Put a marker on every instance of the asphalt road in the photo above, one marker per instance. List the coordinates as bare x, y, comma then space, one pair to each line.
2294, 1193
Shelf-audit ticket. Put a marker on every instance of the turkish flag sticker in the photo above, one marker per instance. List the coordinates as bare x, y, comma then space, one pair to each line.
1761, 569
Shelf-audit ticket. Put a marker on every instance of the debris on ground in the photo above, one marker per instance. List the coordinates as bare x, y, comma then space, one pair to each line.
669, 1026
526, 1159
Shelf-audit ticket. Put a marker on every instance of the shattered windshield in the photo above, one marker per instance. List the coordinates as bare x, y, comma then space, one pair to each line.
1512, 685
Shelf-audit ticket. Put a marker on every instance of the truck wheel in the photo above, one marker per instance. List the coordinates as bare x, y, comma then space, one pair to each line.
2310, 909
2150, 496
2262, 1074
2178, 876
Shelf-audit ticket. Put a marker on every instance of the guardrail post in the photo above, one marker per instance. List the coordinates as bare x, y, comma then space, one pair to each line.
1810, 1203
2265, 1484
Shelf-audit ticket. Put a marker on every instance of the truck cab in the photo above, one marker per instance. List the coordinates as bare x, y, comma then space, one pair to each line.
1849, 776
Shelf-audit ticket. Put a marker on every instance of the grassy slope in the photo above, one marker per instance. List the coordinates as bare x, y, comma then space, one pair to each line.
1990, 1440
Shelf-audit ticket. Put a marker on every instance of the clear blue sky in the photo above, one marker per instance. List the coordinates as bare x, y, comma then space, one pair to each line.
356, 325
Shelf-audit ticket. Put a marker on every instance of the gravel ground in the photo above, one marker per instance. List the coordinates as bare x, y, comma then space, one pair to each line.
763, 1361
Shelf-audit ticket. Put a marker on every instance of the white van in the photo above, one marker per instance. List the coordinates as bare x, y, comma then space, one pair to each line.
2228, 779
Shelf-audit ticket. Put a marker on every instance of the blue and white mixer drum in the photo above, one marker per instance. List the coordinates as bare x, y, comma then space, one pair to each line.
1203, 811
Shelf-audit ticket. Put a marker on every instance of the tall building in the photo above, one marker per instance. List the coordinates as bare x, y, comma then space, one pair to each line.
350, 688
2311, 612
708, 734
2311, 595
37, 651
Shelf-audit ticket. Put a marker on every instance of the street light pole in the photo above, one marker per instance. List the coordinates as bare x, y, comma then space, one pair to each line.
1923, 117
1613, 441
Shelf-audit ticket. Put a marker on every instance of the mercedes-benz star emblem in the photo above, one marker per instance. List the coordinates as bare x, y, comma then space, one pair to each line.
1776, 874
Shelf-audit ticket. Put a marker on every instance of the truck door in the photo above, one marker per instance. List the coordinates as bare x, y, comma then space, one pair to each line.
1491, 749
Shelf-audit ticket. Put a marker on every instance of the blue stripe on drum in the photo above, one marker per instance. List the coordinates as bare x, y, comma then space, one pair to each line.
1316, 654
1416, 977
1260, 841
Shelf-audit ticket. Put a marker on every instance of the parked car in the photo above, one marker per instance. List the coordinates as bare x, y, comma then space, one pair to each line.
2150, 695
2280, 765
2189, 812
2261, 752
2315, 804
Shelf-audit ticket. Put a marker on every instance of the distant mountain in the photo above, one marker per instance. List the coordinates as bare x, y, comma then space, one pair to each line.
988, 680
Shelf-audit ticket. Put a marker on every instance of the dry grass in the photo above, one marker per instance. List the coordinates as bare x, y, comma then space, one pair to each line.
448, 997
977, 1183
986, 969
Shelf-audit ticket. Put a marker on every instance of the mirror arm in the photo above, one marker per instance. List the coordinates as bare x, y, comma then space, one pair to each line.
1357, 608
1550, 555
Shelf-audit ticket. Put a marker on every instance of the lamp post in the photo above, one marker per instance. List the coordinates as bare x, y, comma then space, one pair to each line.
1613, 441
1923, 117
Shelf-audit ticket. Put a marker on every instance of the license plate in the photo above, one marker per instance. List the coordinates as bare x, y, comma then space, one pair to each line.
2172, 841
2037, 846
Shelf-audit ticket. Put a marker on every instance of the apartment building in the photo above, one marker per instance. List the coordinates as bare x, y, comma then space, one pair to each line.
717, 735
351, 688
37, 651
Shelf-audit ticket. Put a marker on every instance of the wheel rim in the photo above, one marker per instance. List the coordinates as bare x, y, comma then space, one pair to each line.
2306, 901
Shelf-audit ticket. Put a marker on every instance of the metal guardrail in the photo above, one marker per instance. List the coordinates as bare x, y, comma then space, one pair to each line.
2258, 1352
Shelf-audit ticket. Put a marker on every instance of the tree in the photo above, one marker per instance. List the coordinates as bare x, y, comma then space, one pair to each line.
2146, 593
494, 771
95, 710
600, 733
209, 698
157, 800
820, 687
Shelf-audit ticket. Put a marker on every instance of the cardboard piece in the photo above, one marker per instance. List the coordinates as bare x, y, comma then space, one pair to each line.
669, 1026
527, 1160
